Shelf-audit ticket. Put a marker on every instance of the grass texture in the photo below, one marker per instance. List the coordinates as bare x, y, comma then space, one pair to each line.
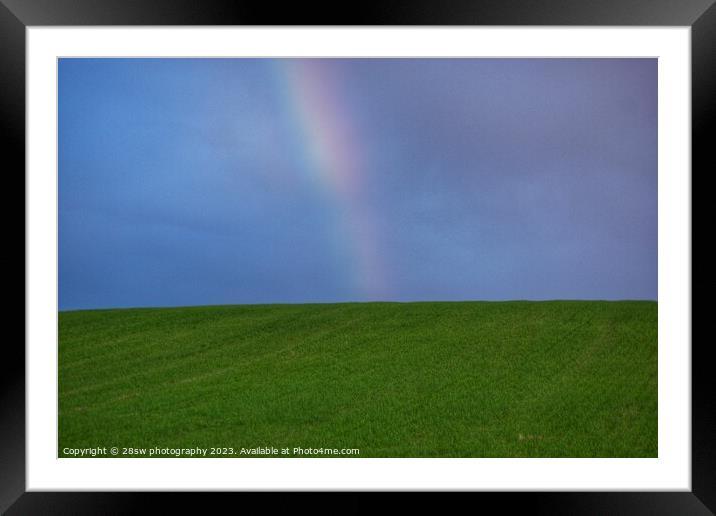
443, 379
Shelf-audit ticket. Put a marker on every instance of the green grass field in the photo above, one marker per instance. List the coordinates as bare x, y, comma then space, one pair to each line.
454, 379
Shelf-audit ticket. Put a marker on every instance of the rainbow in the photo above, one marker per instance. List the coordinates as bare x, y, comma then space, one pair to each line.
334, 160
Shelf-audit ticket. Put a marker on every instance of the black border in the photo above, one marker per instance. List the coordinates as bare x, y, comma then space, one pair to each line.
16, 15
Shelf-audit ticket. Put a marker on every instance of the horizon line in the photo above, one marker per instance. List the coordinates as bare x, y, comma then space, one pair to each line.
217, 305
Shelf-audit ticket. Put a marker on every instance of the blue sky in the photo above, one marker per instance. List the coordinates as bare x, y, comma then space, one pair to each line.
220, 181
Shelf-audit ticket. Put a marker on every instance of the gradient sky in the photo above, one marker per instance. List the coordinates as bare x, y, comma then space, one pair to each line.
220, 181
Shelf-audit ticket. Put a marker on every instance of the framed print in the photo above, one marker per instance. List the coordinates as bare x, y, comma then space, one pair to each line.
415, 249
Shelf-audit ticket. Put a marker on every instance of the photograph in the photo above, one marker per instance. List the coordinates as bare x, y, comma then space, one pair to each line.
351, 257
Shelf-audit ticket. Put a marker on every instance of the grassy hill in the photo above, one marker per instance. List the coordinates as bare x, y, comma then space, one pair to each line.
454, 379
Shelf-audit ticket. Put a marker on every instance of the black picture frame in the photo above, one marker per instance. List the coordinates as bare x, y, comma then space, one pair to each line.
16, 15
